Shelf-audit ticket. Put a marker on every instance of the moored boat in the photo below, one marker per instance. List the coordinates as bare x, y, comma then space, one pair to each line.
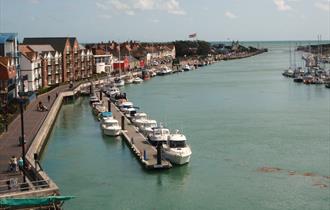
298, 79
146, 126
129, 79
138, 118
104, 116
98, 108
176, 150
186, 68
119, 82
159, 135
288, 73
164, 71
124, 106
110, 127
137, 80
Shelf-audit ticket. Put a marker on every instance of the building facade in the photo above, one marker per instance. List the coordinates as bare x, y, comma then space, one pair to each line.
7, 79
76, 63
30, 64
9, 49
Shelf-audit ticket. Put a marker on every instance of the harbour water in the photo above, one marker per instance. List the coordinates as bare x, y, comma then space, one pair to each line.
259, 141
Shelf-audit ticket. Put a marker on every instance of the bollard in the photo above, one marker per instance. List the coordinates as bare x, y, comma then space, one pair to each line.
109, 106
100, 95
122, 122
145, 155
159, 153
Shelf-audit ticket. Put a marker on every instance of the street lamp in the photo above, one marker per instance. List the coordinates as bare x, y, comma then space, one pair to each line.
22, 139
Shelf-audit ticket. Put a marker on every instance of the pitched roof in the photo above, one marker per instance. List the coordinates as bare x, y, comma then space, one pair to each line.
72, 40
58, 43
42, 48
27, 52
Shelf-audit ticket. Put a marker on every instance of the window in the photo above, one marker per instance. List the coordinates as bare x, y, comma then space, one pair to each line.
177, 144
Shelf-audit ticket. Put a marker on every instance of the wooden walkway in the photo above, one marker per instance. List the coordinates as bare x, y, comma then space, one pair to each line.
137, 142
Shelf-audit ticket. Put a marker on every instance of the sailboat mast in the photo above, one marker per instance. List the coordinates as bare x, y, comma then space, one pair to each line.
294, 57
290, 57
119, 61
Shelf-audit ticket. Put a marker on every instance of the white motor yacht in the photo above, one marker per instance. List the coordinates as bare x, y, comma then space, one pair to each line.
119, 82
176, 150
137, 80
98, 107
110, 127
130, 112
146, 126
152, 72
159, 135
104, 116
129, 79
111, 92
138, 118
186, 68
165, 70
125, 105
288, 73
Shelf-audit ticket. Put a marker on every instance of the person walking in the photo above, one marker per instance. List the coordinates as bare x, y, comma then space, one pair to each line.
48, 98
13, 164
20, 163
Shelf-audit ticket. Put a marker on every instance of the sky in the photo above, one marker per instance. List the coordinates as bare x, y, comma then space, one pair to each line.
168, 20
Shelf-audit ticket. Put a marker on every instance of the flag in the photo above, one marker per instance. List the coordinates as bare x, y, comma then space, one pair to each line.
192, 35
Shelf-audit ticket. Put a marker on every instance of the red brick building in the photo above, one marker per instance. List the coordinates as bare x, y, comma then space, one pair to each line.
7, 78
75, 64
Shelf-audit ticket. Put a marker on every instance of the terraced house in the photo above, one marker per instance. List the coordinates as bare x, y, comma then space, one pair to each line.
75, 64
41, 64
30, 63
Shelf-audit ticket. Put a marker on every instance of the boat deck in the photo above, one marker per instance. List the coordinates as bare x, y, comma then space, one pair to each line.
143, 150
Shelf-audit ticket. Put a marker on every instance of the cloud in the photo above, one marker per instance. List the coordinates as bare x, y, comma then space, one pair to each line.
173, 6
323, 5
118, 5
144, 4
130, 7
230, 15
102, 5
282, 5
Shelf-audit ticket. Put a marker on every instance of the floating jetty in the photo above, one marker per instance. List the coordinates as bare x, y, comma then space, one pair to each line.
148, 155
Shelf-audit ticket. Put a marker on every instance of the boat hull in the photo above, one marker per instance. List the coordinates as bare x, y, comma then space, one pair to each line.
111, 131
176, 158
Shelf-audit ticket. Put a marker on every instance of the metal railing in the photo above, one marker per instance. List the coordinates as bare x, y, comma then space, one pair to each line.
12, 185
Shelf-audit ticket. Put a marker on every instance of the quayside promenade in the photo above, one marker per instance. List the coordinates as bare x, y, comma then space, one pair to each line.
37, 124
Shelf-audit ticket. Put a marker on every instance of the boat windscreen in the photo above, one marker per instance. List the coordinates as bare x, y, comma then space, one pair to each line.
177, 144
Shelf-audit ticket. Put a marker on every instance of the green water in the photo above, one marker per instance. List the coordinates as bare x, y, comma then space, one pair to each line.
238, 116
